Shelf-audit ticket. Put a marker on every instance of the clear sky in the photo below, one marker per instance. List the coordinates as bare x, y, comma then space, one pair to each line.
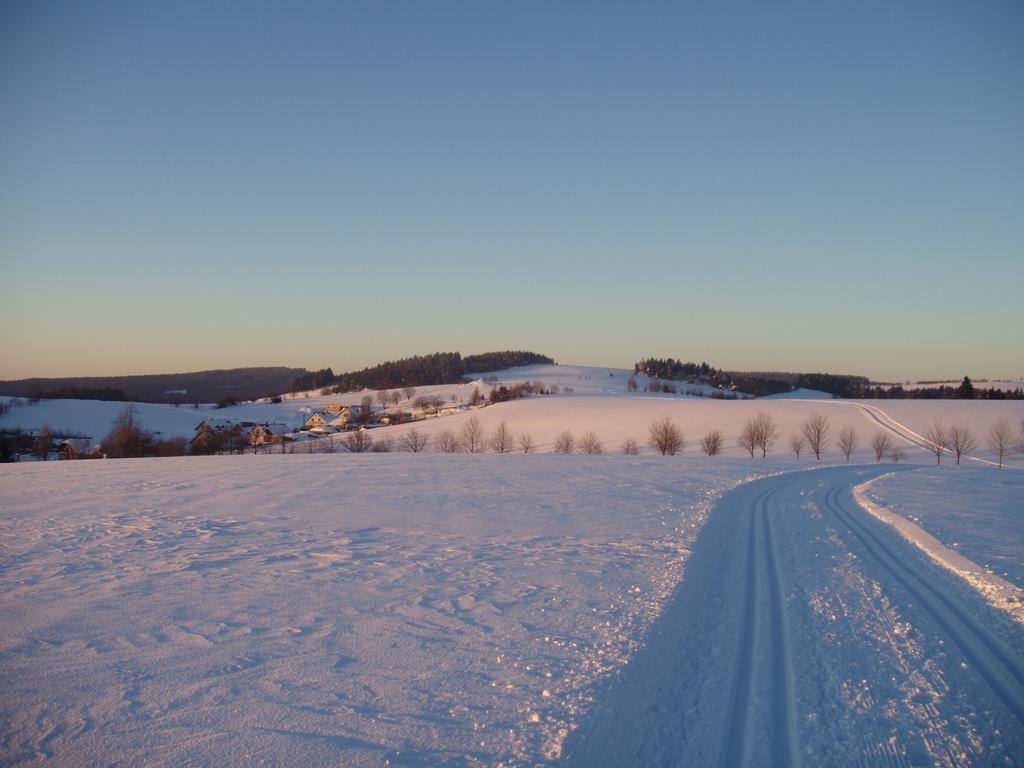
788, 186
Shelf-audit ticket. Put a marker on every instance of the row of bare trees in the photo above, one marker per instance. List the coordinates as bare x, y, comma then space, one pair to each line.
760, 434
959, 440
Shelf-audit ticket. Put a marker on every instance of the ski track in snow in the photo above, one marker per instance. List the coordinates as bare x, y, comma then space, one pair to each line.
830, 642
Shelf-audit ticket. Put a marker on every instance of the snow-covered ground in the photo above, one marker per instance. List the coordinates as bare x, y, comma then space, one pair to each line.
987, 529
808, 632
481, 610
329, 609
464, 609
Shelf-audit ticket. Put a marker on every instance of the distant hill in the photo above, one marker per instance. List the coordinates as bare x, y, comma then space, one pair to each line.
436, 368
196, 387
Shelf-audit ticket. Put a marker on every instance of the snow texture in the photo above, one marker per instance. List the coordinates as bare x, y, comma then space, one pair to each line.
357, 610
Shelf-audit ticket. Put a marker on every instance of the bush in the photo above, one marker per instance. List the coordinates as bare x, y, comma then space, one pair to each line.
413, 442
446, 442
502, 441
630, 447
357, 442
591, 443
666, 438
384, 445
565, 442
712, 442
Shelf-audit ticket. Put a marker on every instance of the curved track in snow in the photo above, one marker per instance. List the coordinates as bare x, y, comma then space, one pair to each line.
764, 632
805, 631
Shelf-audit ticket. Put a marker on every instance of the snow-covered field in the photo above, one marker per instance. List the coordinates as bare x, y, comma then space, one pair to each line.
987, 528
329, 609
806, 631
461, 609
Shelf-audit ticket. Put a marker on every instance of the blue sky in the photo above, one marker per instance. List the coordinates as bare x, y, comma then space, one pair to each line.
789, 186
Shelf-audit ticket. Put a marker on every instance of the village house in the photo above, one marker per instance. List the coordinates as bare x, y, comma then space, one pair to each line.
260, 434
316, 421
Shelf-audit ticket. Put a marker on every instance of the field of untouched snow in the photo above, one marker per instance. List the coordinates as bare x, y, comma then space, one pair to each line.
987, 529
357, 610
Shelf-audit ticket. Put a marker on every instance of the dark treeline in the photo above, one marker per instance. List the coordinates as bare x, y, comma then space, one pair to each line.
499, 361
79, 393
419, 370
839, 385
195, 387
944, 392
762, 383
515, 391
702, 373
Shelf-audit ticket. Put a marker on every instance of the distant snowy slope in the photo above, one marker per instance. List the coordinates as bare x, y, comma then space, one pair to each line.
598, 400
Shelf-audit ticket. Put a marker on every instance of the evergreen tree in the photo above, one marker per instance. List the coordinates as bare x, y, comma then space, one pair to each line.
966, 390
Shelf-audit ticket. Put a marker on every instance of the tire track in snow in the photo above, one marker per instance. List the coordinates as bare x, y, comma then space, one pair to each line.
763, 681
1003, 673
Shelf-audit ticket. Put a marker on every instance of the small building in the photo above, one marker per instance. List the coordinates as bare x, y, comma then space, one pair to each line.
259, 434
316, 420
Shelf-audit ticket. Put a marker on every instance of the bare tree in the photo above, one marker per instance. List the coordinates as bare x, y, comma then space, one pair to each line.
712, 442
325, 445
1018, 444
666, 438
630, 447
472, 436
446, 442
367, 405
42, 444
357, 442
525, 443
847, 441
747, 439
961, 441
502, 440
881, 444
591, 443
937, 438
816, 430
631, 385
413, 441
897, 454
765, 432
797, 443
409, 392
396, 397
384, 397
128, 439
1000, 439
565, 442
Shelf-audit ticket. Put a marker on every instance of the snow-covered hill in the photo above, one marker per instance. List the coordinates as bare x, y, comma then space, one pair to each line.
598, 400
